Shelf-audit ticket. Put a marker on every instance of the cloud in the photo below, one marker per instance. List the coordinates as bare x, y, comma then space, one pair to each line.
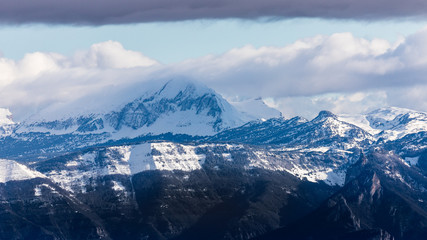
301, 77
338, 103
40, 79
323, 64
338, 72
98, 12
111, 54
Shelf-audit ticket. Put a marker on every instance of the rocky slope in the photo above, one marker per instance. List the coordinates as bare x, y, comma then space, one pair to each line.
384, 198
160, 191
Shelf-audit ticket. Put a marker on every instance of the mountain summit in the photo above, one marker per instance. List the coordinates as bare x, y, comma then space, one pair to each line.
178, 106
390, 123
176, 109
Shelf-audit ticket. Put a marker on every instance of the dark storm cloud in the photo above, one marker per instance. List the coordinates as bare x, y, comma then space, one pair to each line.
98, 12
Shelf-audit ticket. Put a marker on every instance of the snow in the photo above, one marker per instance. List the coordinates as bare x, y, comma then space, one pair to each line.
389, 113
77, 176
82, 171
38, 189
360, 121
118, 161
298, 165
173, 87
6, 122
256, 109
98, 103
337, 127
318, 149
126, 160
227, 157
13, 171
72, 164
167, 156
181, 122
118, 187
335, 178
389, 123
5, 117
412, 160
164, 156
177, 121
140, 159
315, 174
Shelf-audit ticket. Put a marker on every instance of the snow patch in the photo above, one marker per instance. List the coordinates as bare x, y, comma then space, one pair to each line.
13, 171
118, 187
412, 160
297, 165
38, 189
328, 175
165, 156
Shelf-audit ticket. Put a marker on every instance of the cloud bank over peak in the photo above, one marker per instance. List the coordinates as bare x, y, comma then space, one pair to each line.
99, 12
338, 72
322, 64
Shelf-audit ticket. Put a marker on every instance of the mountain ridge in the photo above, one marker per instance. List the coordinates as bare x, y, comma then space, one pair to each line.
128, 172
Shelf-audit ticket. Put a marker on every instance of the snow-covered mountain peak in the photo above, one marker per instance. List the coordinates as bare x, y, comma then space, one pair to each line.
323, 115
178, 106
182, 87
114, 98
389, 113
390, 123
387, 118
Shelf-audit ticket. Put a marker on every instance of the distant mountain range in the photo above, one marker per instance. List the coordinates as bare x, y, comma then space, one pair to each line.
178, 161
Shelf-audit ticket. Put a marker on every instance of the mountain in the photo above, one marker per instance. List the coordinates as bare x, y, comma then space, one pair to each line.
383, 198
167, 190
174, 160
13, 171
390, 123
326, 131
176, 109
158, 190
75, 170
178, 106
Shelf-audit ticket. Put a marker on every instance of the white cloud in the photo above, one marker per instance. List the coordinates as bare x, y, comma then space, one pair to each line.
340, 62
39, 79
339, 72
342, 103
111, 54
413, 97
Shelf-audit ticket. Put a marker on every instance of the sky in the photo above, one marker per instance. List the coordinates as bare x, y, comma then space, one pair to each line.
299, 56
